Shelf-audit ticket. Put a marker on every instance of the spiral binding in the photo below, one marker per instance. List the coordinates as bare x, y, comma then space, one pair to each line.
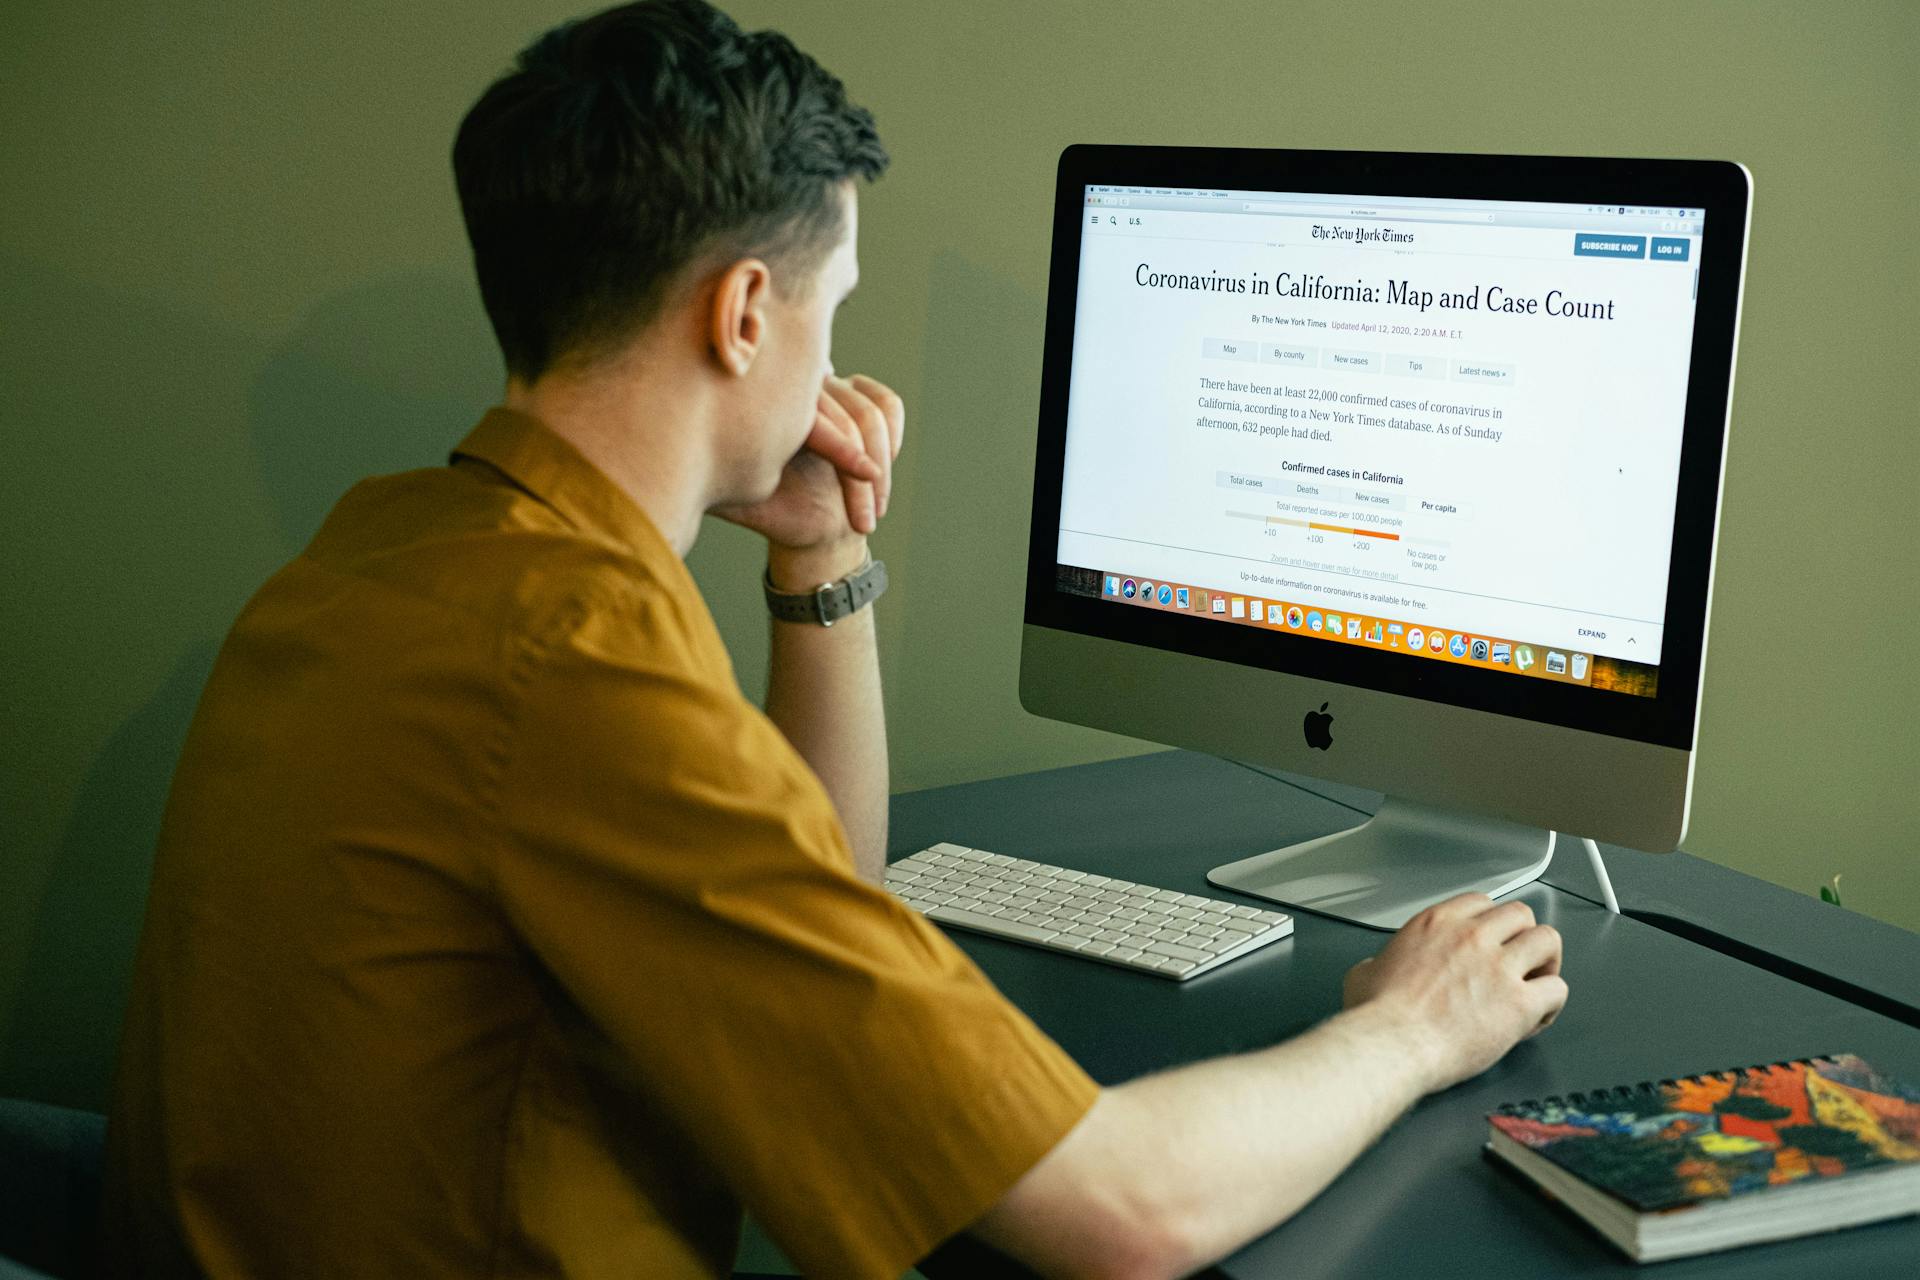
1611, 1096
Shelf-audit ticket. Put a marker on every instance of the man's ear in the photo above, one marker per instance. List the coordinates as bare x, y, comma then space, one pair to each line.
739, 319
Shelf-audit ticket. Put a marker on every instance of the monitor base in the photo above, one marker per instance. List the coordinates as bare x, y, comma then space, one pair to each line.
1395, 865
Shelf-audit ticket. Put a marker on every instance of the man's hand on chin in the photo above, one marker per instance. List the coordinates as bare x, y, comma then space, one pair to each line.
834, 491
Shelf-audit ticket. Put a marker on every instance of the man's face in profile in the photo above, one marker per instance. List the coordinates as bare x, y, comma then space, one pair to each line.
782, 388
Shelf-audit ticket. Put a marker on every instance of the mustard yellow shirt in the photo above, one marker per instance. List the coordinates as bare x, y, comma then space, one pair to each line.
493, 932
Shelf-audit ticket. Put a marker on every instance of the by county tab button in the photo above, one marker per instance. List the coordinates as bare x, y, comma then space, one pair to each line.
1671, 248
1599, 244
1282, 353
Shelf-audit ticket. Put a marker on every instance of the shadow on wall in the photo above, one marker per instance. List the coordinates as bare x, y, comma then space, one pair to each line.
67, 1020
970, 489
385, 377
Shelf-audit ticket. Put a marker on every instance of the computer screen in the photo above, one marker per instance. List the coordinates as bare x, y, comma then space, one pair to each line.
1445, 429
1427, 445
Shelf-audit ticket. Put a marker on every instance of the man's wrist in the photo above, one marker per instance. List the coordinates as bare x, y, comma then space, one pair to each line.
1402, 1039
796, 570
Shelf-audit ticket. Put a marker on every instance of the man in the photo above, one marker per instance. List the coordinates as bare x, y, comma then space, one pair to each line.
493, 932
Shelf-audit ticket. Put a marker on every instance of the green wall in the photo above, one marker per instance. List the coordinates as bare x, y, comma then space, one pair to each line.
234, 280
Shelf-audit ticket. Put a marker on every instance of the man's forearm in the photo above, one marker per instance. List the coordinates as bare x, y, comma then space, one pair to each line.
823, 690
1173, 1171
1245, 1142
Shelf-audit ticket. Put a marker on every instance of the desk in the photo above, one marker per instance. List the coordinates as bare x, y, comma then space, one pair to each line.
1645, 1004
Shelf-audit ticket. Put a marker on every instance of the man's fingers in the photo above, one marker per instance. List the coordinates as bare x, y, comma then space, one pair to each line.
1500, 923
1534, 952
891, 405
867, 418
839, 441
1460, 907
858, 495
856, 486
1548, 996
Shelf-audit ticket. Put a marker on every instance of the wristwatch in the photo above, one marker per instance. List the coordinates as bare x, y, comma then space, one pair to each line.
829, 602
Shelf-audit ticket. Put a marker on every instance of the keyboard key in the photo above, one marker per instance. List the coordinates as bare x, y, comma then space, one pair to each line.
1013, 928
1174, 950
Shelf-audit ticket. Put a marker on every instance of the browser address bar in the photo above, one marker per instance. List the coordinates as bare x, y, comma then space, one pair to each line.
1377, 211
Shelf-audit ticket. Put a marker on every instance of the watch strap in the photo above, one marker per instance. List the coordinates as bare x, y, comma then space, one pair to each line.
829, 602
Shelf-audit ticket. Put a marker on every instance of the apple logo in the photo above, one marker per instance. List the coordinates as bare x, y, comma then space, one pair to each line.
1319, 727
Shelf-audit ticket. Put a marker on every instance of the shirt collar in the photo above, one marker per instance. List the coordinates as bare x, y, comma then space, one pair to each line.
532, 456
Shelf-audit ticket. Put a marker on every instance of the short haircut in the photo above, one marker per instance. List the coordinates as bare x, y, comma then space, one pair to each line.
624, 146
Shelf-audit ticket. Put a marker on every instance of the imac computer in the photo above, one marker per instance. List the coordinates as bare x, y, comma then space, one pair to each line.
1394, 470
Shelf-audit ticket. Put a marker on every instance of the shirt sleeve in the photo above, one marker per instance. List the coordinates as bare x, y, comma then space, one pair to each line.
680, 872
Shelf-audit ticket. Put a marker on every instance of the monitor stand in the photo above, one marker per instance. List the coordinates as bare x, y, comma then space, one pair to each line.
1394, 865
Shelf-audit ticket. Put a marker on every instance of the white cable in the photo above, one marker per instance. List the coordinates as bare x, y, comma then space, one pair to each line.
1600, 874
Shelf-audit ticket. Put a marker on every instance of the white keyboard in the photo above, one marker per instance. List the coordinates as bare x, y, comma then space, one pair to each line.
1136, 926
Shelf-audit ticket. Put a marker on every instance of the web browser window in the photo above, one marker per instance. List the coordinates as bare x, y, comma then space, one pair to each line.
1446, 427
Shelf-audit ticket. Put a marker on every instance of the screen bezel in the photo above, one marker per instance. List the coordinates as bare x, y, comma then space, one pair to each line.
1718, 187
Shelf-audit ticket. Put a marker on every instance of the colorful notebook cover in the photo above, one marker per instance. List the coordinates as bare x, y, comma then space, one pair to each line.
1667, 1144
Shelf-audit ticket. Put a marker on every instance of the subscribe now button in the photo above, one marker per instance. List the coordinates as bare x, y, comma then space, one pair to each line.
1590, 245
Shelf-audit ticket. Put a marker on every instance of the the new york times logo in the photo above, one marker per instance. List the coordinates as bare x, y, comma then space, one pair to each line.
1362, 235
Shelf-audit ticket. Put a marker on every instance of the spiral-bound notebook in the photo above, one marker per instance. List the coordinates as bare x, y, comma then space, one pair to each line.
1668, 1168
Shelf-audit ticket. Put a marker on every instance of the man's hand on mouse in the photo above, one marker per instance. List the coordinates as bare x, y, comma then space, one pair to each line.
1469, 977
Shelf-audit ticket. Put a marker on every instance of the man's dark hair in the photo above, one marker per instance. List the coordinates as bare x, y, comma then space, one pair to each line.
625, 145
